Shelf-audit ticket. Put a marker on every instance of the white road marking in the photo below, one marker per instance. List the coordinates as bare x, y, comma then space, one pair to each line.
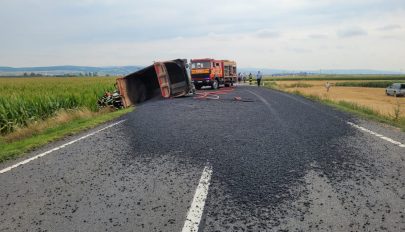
197, 206
376, 134
57, 148
261, 99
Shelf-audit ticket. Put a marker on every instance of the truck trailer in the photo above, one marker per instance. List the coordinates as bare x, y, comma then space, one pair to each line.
166, 79
212, 72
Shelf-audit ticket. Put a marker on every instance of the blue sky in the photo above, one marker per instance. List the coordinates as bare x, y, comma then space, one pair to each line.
291, 34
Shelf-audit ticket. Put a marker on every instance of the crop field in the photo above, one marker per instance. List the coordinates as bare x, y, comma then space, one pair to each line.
372, 96
398, 78
25, 100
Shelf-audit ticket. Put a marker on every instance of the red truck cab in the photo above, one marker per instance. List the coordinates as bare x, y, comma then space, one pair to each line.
211, 72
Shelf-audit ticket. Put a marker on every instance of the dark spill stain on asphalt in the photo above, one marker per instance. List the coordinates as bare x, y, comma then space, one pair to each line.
257, 153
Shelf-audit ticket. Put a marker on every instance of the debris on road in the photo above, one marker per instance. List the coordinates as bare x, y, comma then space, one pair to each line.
110, 100
242, 99
213, 94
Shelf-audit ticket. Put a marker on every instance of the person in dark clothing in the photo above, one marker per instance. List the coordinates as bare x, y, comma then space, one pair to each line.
250, 78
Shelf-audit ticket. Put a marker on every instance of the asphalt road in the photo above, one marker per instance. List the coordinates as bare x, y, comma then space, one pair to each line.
279, 163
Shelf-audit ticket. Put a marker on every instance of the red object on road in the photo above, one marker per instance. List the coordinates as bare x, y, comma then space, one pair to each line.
213, 94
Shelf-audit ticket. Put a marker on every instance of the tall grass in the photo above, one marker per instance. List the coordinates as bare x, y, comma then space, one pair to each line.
360, 110
23, 100
336, 77
298, 85
370, 84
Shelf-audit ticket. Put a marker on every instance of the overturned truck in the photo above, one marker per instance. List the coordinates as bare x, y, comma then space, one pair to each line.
166, 79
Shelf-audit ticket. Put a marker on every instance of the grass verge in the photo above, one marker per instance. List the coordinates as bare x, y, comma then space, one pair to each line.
12, 148
353, 108
371, 84
336, 77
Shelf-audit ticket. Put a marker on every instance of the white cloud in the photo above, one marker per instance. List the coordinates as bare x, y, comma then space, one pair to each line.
264, 33
389, 27
317, 36
351, 32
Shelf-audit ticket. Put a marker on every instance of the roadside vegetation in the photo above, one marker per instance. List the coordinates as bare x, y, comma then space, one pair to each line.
370, 84
368, 100
298, 85
335, 77
28, 100
34, 111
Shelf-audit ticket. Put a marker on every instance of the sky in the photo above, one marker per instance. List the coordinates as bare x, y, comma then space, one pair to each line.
282, 34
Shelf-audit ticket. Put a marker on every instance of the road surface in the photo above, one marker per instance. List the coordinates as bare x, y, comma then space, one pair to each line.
271, 162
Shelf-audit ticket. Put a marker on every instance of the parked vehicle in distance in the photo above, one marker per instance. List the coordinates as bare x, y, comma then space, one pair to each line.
211, 72
396, 89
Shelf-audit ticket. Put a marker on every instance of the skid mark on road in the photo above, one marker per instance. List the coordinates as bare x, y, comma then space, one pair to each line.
376, 134
197, 206
57, 148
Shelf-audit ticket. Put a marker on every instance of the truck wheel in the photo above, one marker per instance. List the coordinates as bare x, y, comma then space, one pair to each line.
215, 84
226, 85
198, 87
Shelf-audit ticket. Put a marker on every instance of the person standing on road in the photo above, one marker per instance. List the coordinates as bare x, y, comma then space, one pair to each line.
239, 77
258, 78
250, 78
244, 77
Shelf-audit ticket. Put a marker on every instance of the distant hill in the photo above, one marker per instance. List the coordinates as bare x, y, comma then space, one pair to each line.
123, 70
69, 69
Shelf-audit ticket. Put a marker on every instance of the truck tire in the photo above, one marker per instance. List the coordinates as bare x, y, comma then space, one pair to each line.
215, 84
198, 87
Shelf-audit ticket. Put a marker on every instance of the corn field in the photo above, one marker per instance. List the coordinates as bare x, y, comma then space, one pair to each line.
24, 100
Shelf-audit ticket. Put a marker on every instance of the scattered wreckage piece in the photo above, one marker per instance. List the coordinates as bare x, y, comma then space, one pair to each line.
110, 100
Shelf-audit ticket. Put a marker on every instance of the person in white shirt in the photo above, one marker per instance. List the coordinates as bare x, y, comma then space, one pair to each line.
258, 77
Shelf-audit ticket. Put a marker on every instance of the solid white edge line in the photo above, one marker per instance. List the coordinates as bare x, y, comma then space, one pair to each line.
197, 206
57, 148
376, 134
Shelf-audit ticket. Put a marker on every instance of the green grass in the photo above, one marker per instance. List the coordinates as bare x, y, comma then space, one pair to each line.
25, 100
270, 84
17, 148
298, 85
353, 108
370, 84
336, 77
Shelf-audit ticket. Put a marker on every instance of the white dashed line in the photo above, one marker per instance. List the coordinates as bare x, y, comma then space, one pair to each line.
376, 134
197, 206
57, 148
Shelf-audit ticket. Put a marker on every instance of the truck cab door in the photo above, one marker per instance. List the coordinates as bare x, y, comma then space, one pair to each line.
163, 78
